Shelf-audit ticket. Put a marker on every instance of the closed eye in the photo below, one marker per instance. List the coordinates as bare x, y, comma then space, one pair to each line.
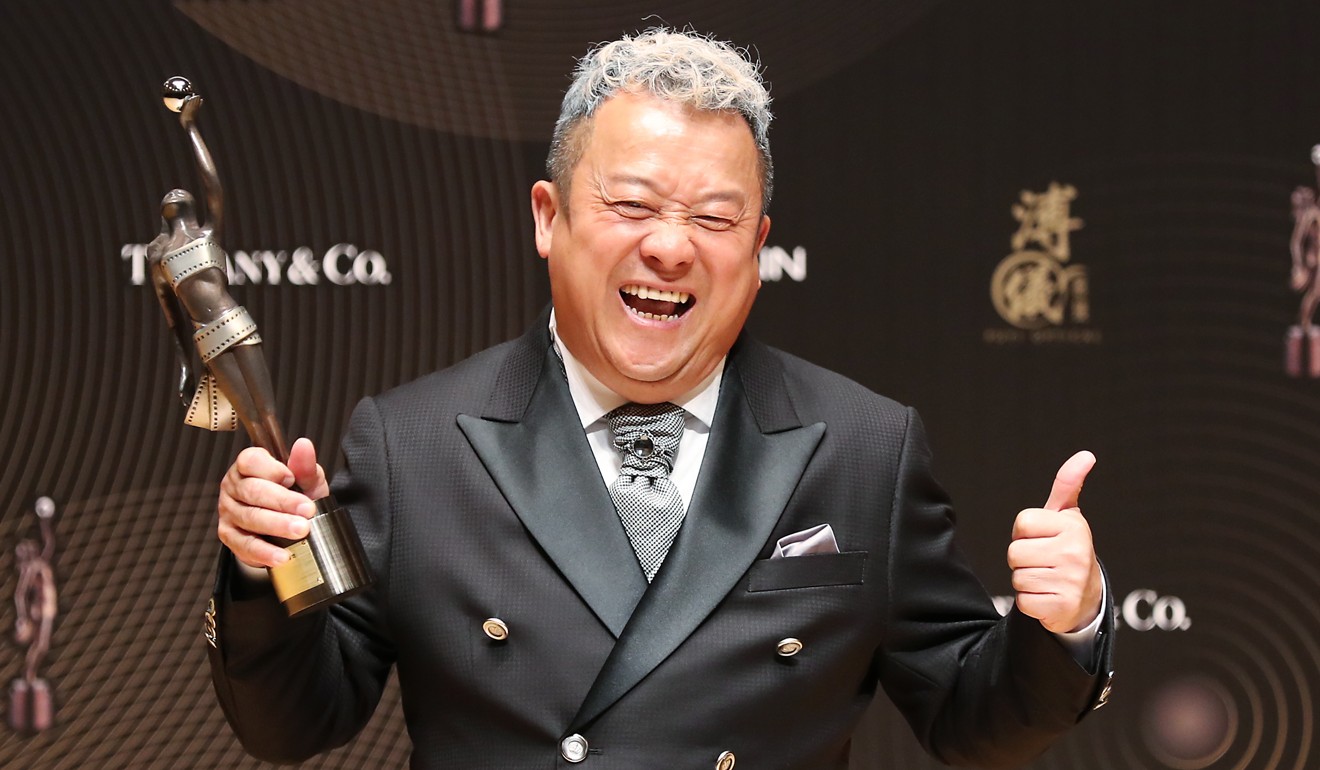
714, 223
632, 209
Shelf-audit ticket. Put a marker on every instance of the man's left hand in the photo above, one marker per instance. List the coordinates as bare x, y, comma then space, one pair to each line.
1055, 571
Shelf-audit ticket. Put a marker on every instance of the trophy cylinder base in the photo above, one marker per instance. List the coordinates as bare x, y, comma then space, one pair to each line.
325, 567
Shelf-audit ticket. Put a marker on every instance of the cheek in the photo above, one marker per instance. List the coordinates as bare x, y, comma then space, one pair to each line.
740, 282
734, 305
581, 285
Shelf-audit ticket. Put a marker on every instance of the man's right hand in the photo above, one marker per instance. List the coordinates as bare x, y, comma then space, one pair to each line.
257, 499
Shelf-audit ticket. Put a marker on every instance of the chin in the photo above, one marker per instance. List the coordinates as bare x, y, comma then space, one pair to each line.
646, 375
638, 361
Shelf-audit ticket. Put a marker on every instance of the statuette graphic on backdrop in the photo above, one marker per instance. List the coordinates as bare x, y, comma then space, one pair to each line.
1036, 288
480, 15
222, 376
31, 698
1302, 345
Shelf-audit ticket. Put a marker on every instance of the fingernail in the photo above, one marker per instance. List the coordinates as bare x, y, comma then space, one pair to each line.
298, 530
287, 482
306, 510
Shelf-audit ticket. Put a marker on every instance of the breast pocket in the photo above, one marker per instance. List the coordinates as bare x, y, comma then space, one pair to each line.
831, 569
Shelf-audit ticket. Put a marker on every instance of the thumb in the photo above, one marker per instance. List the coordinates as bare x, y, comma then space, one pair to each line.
1068, 481
307, 475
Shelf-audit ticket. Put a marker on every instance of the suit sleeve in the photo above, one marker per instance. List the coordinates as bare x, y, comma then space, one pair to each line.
292, 688
976, 688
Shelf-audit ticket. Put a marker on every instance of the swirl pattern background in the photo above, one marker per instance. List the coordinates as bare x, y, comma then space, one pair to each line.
905, 133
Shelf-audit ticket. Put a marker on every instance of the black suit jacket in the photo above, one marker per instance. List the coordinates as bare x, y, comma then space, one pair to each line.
477, 497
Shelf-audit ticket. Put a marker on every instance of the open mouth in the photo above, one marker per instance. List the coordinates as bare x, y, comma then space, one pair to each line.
656, 304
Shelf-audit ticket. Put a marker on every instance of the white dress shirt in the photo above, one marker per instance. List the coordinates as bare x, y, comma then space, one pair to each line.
593, 401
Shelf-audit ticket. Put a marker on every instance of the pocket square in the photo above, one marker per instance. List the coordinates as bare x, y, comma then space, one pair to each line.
816, 540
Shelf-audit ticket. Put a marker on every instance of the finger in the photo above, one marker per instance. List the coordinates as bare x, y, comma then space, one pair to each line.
262, 493
1068, 481
251, 549
259, 520
1044, 538
308, 475
1032, 552
1049, 609
1035, 580
1042, 522
255, 462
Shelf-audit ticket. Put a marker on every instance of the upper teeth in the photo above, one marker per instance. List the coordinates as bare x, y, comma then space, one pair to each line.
644, 292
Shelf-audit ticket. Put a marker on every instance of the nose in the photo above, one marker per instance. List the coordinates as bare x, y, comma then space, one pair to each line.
668, 245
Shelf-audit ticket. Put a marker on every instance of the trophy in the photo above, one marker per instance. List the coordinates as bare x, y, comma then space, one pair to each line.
223, 378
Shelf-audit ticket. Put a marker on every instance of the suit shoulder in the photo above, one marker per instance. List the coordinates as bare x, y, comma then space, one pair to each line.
816, 390
459, 388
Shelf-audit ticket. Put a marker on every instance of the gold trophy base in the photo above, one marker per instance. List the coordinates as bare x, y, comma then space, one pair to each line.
325, 567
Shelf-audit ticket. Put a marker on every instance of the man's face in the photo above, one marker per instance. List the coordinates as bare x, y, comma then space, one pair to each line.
653, 259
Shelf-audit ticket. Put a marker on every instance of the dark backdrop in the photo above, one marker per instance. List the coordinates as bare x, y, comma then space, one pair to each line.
382, 136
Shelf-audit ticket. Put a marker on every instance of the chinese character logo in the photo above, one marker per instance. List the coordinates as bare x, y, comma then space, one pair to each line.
1034, 287
1303, 342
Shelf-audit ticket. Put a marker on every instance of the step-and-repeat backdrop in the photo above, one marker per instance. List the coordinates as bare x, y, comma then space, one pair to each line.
1049, 226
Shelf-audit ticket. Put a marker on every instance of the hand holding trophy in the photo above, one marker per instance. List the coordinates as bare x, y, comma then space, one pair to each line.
232, 383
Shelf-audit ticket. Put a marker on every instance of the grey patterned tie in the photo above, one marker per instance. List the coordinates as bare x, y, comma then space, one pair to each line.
649, 504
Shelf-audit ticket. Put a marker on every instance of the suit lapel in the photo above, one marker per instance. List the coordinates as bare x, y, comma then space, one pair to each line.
757, 452
532, 444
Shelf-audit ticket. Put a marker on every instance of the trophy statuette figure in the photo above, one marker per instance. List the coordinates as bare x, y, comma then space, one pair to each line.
1302, 355
223, 378
36, 607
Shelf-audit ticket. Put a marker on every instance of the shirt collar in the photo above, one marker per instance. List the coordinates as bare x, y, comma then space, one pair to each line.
593, 400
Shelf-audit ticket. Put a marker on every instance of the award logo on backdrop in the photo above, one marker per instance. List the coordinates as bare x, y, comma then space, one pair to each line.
31, 698
1034, 289
343, 264
1302, 347
776, 262
1142, 610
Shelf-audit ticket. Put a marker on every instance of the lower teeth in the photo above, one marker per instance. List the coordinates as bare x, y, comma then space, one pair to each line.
653, 316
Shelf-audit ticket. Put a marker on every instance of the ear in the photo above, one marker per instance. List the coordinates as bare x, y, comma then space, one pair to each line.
762, 233
545, 208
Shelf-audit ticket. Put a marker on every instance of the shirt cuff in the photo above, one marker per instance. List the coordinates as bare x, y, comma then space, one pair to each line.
1081, 643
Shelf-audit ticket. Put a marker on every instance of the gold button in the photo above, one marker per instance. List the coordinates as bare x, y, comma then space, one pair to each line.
726, 761
789, 647
574, 748
495, 629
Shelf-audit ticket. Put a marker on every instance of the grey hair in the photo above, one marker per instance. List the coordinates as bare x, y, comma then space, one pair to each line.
683, 67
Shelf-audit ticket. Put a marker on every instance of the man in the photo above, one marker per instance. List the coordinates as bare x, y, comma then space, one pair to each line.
545, 599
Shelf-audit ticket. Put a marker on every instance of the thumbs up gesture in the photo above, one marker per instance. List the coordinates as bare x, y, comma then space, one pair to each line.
1055, 572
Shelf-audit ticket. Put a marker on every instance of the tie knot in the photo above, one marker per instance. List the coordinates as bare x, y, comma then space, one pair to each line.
648, 436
